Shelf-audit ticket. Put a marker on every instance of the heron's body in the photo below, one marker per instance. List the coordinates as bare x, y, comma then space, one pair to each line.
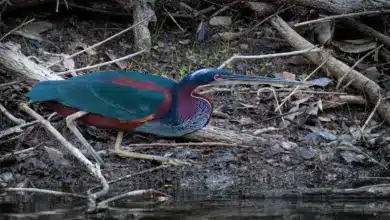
128, 101
141, 102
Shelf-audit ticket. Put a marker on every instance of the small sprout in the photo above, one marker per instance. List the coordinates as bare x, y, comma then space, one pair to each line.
168, 185
261, 67
129, 64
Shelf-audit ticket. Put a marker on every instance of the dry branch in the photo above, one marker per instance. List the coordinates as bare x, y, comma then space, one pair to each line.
333, 17
16, 129
143, 12
368, 31
211, 133
12, 58
334, 66
10, 116
341, 6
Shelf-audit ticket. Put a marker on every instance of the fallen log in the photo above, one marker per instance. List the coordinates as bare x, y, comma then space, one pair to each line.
14, 61
340, 6
368, 31
335, 67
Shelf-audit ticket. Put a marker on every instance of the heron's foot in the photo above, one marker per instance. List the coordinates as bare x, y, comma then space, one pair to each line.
123, 153
70, 118
71, 125
164, 160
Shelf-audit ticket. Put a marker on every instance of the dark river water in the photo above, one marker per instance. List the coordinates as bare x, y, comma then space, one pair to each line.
27, 206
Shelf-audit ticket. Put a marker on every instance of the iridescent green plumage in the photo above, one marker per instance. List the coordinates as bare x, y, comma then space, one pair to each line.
107, 93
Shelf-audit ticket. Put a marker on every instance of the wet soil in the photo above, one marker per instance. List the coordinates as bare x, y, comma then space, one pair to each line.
218, 171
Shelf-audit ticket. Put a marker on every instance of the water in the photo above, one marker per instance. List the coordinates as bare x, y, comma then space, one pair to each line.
27, 206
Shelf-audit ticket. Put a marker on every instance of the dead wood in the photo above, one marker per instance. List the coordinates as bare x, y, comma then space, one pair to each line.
368, 31
143, 11
13, 60
98, 7
339, 6
215, 134
335, 67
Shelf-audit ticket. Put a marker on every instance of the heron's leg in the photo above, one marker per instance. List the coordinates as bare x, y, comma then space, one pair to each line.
123, 153
71, 125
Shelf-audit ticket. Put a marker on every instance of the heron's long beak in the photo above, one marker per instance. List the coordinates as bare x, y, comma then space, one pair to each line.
244, 79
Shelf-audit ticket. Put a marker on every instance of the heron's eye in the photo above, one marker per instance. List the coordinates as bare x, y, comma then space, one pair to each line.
217, 77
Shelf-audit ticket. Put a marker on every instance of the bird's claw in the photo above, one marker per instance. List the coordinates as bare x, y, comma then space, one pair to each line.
164, 160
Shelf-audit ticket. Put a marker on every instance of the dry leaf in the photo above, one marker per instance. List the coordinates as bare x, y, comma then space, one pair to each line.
33, 30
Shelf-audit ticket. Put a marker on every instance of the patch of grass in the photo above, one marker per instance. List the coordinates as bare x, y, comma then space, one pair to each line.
184, 69
157, 29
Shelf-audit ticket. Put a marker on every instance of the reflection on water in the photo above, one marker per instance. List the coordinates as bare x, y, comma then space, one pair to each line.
29, 206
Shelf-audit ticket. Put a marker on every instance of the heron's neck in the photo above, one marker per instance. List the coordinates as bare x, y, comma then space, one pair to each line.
186, 101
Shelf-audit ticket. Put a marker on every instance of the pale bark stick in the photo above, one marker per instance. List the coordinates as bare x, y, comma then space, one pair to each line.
334, 66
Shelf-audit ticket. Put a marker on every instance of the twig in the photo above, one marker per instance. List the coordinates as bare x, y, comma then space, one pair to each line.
364, 153
371, 115
76, 152
94, 170
9, 83
99, 43
280, 10
296, 88
357, 63
284, 114
23, 24
104, 203
6, 157
45, 191
226, 7
66, 4
187, 7
10, 116
368, 31
292, 53
264, 130
130, 176
276, 99
341, 16
16, 129
174, 20
204, 11
335, 67
57, 5
102, 64
192, 144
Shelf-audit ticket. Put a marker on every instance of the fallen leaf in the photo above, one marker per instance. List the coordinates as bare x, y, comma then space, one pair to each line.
227, 36
318, 133
33, 30
220, 21
57, 156
354, 47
